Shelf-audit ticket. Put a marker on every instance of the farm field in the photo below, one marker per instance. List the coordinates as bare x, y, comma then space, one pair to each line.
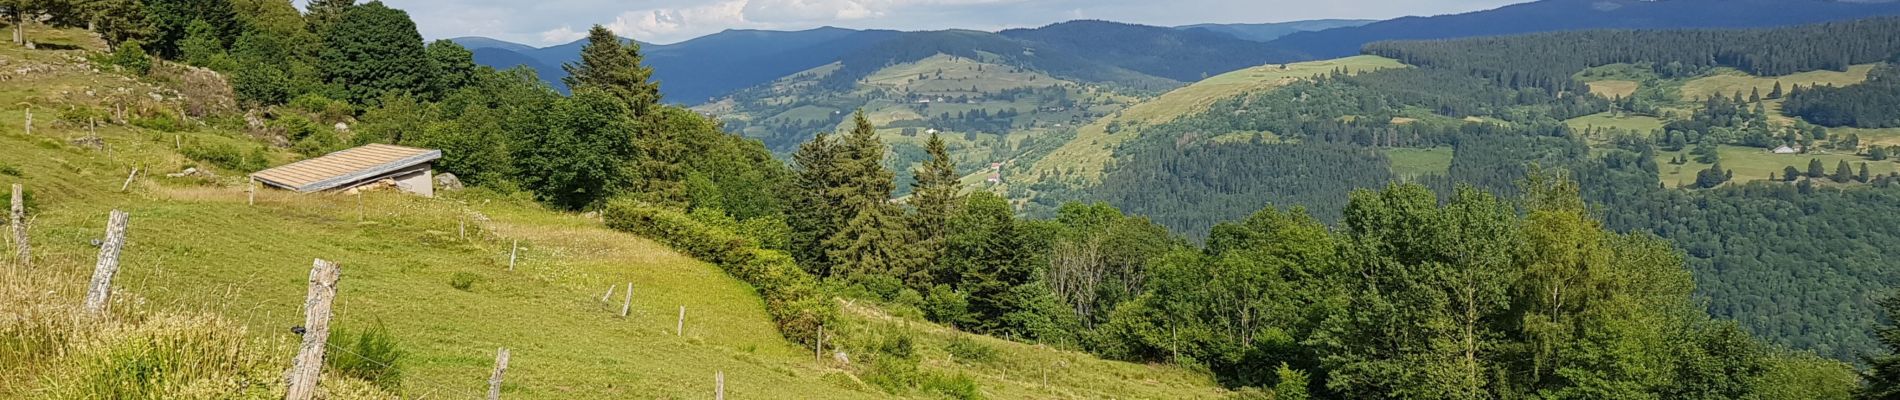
1752, 164
1637, 123
1727, 82
1408, 163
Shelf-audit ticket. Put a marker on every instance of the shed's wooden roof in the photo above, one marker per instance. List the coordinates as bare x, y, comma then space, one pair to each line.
345, 167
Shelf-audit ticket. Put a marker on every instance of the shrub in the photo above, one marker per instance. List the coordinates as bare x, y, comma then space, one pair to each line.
162, 122
131, 55
10, 170
325, 108
372, 355
959, 386
227, 156
463, 281
791, 294
966, 349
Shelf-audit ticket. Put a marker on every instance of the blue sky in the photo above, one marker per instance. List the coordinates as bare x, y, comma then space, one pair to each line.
548, 22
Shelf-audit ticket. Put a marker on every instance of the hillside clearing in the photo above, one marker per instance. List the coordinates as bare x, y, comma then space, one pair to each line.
1641, 124
1751, 164
1409, 163
1727, 82
1614, 89
1094, 147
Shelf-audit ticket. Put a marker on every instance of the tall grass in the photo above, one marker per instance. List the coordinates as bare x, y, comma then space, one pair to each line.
50, 348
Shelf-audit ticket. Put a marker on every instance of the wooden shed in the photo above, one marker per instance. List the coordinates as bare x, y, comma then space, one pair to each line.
410, 169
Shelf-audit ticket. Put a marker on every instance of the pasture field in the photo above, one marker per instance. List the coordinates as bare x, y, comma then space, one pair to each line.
1409, 163
1751, 164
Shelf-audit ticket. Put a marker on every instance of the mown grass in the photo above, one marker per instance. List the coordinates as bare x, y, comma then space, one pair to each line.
1093, 147
239, 272
1727, 82
1409, 163
1752, 164
1614, 89
1640, 124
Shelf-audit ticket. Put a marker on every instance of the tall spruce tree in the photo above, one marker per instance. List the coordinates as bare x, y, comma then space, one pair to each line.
613, 66
934, 194
872, 246
814, 213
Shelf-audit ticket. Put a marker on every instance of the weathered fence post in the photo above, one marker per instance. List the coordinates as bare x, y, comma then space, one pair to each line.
513, 249
626, 304
818, 351
494, 380
316, 308
680, 330
604, 298
129, 178
29, 121
250, 191
719, 385
461, 227
99, 292
24, 249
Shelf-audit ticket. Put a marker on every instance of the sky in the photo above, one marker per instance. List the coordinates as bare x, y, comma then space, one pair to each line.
551, 22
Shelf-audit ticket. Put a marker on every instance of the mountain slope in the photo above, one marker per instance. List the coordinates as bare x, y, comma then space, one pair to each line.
1559, 15
195, 246
1182, 55
1267, 32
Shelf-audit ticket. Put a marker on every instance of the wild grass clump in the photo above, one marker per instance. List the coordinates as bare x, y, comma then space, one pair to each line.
969, 350
463, 281
372, 355
52, 349
227, 156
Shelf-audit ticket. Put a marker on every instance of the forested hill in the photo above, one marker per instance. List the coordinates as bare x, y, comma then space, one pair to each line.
715, 65
1560, 15
1672, 133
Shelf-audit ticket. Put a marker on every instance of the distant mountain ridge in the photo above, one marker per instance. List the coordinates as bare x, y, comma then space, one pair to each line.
1267, 32
1561, 15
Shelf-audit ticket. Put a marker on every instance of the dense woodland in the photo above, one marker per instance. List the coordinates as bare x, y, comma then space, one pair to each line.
1528, 284
1866, 105
1548, 60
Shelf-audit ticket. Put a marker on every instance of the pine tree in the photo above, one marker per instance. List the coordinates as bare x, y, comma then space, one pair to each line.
1864, 176
613, 66
375, 49
934, 194
323, 14
814, 214
872, 243
1790, 174
1843, 172
1815, 170
1776, 93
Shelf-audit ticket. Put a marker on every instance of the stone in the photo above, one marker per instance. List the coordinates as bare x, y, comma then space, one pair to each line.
91, 142
342, 127
448, 181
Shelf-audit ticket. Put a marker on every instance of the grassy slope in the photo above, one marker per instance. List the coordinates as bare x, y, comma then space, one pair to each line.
196, 246
1093, 147
1637, 123
1412, 163
1751, 164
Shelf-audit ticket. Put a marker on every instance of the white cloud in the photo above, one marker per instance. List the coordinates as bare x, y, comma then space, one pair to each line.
563, 34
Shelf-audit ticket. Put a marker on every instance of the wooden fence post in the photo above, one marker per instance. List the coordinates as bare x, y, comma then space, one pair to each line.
719, 385
494, 380
461, 226
818, 351
23, 248
609, 295
99, 292
250, 191
129, 178
316, 335
680, 330
626, 304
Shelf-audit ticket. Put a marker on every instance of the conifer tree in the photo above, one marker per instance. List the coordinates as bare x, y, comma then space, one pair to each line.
613, 66
872, 243
1864, 177
1815, 170
814, 214
1882, 377
1776, 92
934, 194
1843, 172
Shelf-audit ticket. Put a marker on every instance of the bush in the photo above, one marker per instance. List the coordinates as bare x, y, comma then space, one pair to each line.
791, 294
959, 386
227, 156
163, 123
463, 281
131, 55
325, 108
10, 170
966, 349
372, 356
